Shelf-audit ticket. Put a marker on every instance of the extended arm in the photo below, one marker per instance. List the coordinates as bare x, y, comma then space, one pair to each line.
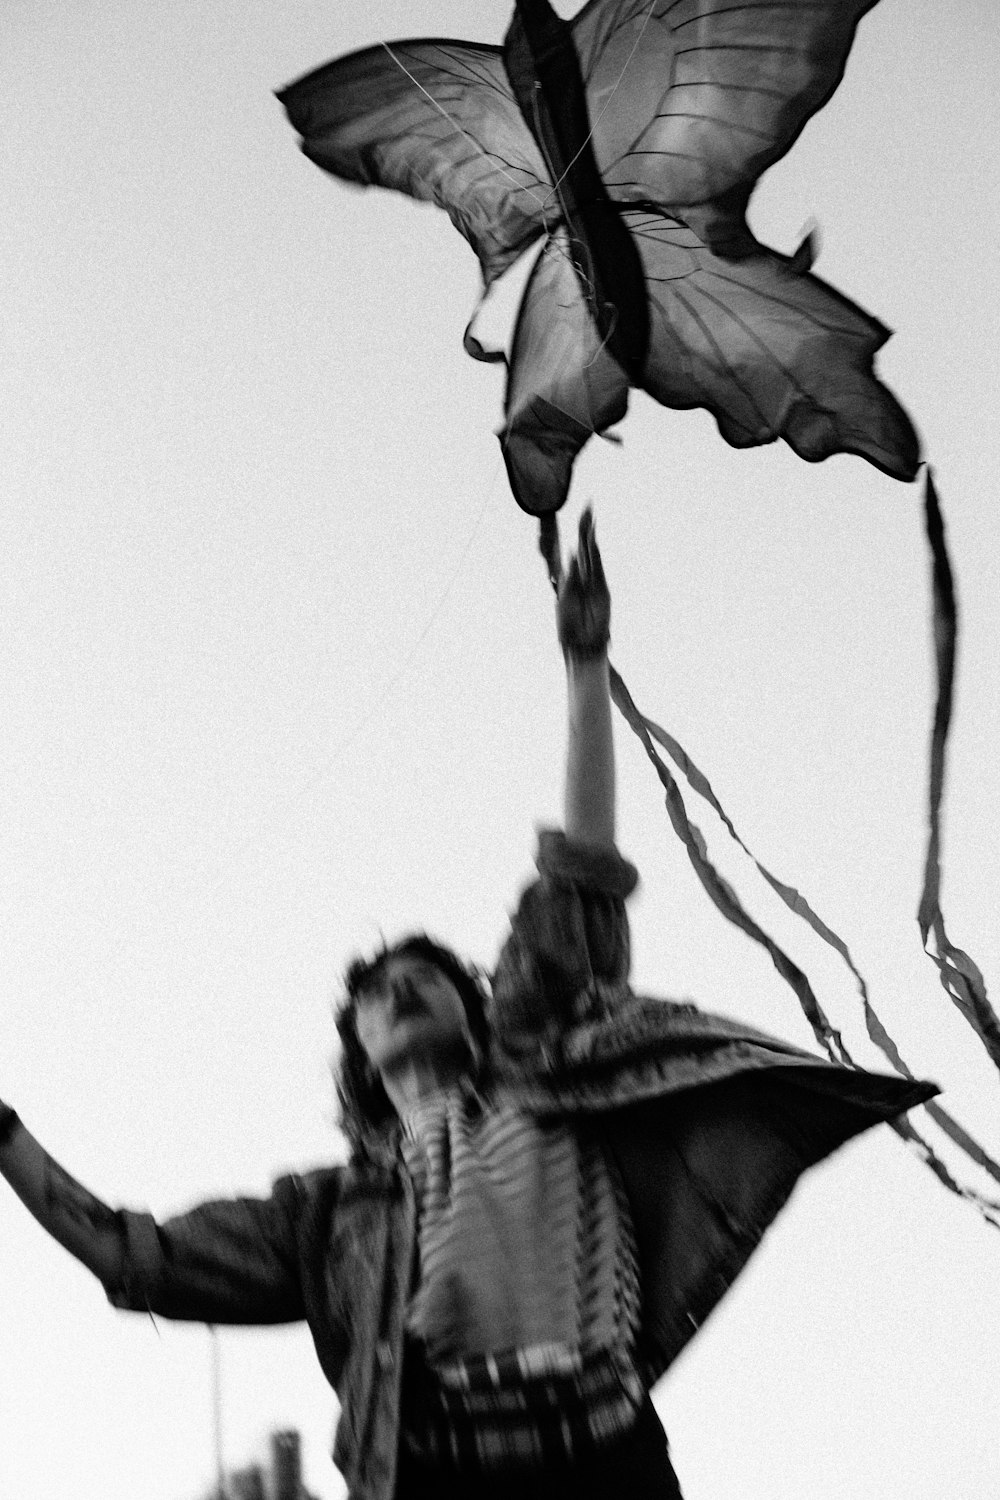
583, 616
84, 1225
570, 926
230, 1261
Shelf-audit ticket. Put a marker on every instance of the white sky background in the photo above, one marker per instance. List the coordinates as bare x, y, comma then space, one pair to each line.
278, 673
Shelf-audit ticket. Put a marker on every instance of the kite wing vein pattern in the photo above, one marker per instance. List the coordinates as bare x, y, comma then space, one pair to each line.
631, 138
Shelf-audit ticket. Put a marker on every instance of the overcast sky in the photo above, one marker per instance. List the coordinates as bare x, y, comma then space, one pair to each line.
278, 674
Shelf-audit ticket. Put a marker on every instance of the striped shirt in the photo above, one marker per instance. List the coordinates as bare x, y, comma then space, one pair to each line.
524, 1316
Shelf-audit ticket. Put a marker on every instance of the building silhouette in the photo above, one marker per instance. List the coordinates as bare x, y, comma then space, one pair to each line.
280, 1479
247, 1484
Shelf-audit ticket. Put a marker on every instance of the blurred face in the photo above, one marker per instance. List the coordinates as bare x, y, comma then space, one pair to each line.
411, 1012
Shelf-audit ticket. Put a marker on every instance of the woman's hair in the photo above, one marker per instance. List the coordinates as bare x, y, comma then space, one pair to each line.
363, 1102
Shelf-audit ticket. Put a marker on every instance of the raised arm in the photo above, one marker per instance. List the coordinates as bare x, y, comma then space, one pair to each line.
81, 1223
570, 928
233, 1260
583, 617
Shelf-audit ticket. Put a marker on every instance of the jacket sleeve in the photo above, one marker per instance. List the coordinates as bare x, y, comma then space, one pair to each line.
569, 932
232, 1261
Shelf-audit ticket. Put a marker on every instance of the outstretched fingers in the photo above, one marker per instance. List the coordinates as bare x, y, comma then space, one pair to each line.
591, 551
584, 608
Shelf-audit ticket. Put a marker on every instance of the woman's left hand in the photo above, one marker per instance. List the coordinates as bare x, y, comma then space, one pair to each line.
583, 608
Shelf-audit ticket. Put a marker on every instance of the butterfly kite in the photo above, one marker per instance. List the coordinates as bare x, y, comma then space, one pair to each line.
631, 139
628, 141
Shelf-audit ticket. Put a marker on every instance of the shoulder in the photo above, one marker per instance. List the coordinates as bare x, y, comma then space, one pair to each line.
303, 1198
570, 928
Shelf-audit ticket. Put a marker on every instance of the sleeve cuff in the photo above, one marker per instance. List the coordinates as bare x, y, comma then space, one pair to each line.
142, 1261
596, 869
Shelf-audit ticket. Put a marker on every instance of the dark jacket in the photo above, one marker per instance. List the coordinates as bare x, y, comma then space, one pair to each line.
710, 1122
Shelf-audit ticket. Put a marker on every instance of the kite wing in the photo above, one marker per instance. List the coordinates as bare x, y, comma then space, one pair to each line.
769, 349
684, 104
436, 120
691, 100
562, 383
631, 136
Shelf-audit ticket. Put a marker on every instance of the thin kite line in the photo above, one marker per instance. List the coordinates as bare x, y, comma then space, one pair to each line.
286, 803
543, 203
477, 145
607, 103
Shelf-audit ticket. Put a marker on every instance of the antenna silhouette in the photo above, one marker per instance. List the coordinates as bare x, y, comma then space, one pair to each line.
220, 1472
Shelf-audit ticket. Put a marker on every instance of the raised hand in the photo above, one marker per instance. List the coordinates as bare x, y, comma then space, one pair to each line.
8, 1123
85, 1226
583, 608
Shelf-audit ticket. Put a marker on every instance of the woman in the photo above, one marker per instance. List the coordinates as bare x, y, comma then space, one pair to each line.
549, 1186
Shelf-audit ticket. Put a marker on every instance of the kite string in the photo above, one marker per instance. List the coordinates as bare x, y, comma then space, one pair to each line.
314, 779
543, 203
607, 103
579, 269
477, 145
558, 179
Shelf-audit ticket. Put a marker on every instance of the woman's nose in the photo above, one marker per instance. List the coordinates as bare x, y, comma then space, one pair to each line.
405, 992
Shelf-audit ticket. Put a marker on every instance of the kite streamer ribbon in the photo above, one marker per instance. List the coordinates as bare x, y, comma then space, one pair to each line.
960, 977
729, 904
718, 889
797, 903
